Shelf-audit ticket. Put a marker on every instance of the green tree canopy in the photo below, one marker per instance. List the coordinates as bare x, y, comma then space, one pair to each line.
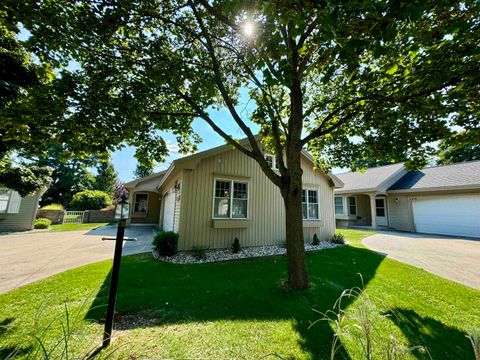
106, 177
462, 146
342, 78
143, 170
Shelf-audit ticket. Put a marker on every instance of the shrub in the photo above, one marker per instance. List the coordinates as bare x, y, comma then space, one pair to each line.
316, 240
236, 246
338, 239
166, 243
52, 207
199, 252
42, 223
90, 200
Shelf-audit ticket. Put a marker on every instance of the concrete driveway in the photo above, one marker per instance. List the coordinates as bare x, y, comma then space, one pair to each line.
453, 258
29, 257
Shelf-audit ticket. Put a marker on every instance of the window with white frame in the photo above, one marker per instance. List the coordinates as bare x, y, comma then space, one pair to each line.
9, 201
141, 203
352, 205
271, 161
309, 204
4, 199
339, 205
230, 199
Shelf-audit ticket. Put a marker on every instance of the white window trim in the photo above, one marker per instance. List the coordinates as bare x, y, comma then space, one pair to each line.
318, 205
8, 201
274, 161
135, 202
343, 205
231, 198
356, 206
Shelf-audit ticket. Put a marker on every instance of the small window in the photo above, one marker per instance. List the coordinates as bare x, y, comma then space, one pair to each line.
141, 203
230, 204
4, 198
352, 205
380, 207
309, 204
339, 205
271, 161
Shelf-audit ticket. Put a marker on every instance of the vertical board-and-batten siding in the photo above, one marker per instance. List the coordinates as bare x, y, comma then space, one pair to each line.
266, 215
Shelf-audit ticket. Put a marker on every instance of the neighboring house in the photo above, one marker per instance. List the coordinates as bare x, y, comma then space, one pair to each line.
438, 200
17, 213
212, 197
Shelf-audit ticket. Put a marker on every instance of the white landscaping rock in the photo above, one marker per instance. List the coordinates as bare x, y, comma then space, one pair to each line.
186, 257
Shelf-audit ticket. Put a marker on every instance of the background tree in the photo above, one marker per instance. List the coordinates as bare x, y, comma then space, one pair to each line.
462, 146
341, 78
143, 170
106, 177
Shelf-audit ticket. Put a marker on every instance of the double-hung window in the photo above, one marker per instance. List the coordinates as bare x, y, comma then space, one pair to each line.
231, 199
352, 205
9, 201
271, 161
339, 205
141, 203
309, 204
4, 199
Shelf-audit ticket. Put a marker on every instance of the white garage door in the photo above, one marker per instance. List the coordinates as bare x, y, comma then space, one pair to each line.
448, 215
169, 211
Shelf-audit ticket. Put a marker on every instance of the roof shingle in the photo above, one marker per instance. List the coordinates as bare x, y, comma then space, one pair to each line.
368, 179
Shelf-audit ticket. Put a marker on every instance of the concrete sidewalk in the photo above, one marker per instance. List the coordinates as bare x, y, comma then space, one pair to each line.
26, 258
457, 259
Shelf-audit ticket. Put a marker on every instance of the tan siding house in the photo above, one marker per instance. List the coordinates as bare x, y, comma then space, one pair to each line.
439, 200
215, 196
17, 213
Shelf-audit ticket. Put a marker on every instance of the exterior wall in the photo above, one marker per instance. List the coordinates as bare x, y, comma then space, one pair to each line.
25, 217
55, 216
153, 209
266, 216
99, 216
363, 217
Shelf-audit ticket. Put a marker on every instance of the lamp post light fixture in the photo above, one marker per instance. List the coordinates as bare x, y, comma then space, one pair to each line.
121, 214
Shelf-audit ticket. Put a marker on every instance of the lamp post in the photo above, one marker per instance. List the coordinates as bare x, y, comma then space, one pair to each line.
121, 214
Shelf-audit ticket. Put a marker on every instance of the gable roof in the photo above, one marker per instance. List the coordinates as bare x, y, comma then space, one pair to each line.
134, 183
369, 180
455, 176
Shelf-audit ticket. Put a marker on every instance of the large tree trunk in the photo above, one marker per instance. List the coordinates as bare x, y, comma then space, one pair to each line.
292, 197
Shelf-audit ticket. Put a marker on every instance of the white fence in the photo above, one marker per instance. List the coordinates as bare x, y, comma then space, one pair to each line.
73, 217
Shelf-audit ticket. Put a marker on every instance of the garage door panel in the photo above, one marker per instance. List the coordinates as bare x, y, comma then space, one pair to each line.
169, 211
448, 215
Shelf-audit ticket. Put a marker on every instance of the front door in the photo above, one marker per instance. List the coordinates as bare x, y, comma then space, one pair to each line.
381, 211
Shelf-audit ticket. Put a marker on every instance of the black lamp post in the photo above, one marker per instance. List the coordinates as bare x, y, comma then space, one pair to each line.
121, 214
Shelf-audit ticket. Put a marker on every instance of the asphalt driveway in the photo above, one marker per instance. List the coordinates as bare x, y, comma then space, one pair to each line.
29, 257
453, 258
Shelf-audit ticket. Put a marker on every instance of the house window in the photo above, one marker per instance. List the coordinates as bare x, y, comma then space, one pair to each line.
271, 161
4, 198
339, 205
231, 199
352, 205
141, 203
380, 207
309, 204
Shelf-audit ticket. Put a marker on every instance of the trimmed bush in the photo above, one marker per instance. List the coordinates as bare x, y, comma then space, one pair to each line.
90, 200
42, 223
166, 243
316, 240
52, 207
338, 239
236, 246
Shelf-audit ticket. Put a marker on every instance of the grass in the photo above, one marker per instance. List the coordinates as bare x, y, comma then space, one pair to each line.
73, 227
239, 310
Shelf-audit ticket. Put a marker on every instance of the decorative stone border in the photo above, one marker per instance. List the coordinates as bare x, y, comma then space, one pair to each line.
218, 255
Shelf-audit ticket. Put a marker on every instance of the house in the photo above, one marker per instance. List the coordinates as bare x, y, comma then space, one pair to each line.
438, 200
212, 197
17, 213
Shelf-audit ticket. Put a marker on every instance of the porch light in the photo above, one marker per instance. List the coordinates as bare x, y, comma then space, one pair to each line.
122, 208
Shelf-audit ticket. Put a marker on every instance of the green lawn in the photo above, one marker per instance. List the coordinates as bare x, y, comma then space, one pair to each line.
239, 310
72, 227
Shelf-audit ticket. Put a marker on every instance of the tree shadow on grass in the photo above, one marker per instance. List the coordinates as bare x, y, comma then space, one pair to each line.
440, 341
238, 291
10, 351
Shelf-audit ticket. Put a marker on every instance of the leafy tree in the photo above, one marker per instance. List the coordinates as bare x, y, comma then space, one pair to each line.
70, 175
24, 178
462, 146
106, 177
342, 78
143, 170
